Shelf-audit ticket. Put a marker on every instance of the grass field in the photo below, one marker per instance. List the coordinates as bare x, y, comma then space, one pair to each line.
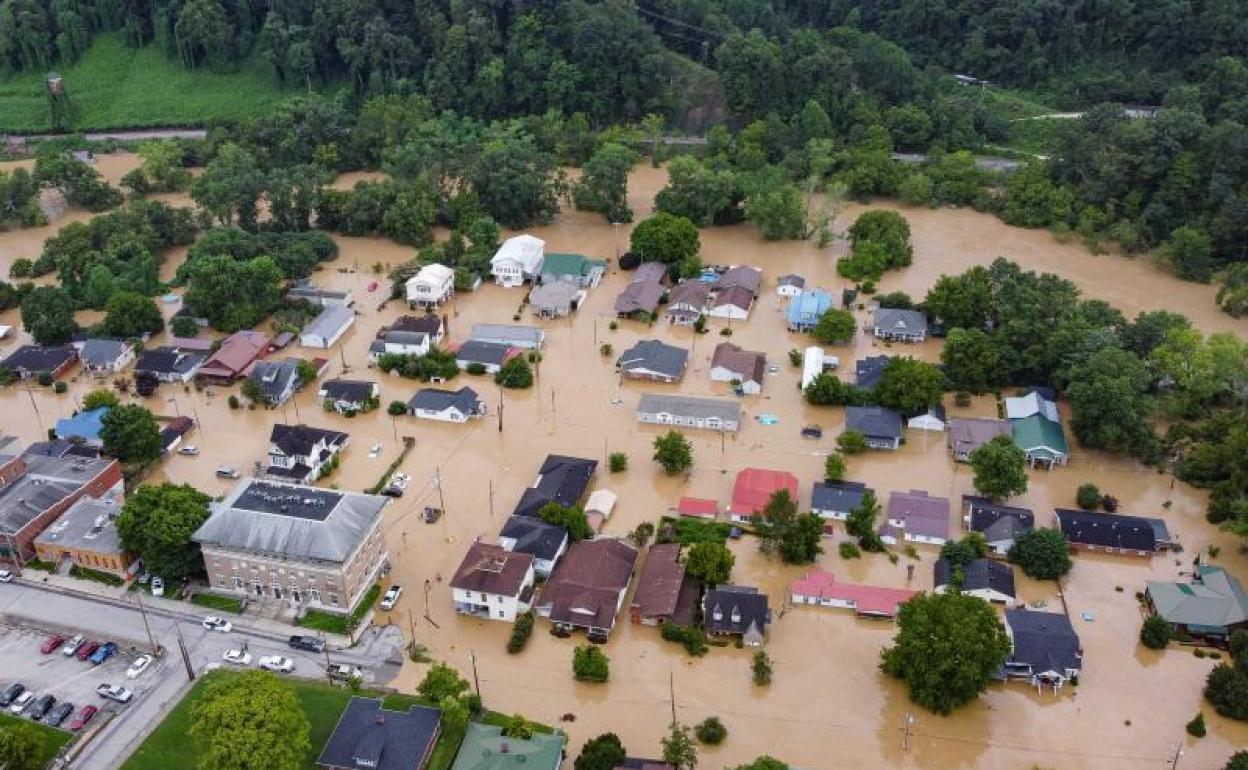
168, 746
50, 739
113, 87
223, 603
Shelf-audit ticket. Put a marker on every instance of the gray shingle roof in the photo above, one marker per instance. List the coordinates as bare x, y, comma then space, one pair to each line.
897, 321
837, 495
1043, 640
689, 406
330, 321
435, 400
869, 370
380, 739
534, 536
291, 520
655, 356
476, 351
355, 391
997, 522
980, 574
521, 336
873, 421
101, 352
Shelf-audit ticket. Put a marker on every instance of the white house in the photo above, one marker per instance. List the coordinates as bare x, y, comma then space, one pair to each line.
446, 405
546, 543
328, 327
519, 259
433, 285
932, 419
815, 363
493, 583
105, 357
790, 285
301, 453
399, 343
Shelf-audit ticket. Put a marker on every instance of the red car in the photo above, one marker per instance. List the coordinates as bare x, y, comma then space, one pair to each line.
372, 286
52, 644
84, 715
87, 649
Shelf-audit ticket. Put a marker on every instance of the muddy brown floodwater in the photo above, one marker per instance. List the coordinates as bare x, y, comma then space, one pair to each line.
829, 707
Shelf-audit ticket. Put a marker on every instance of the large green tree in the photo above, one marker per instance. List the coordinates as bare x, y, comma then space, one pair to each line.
834, 326
19, 747
48, 314
709, 562
679, 750
253, 721
230, 187
130, 434
948, 647
909, 385
603, 186
673, 452
961, 301
157, 521
131, 315
1109, 402
1042, 554
973, 361
604, 752
1000, 468
888, 229
666, 238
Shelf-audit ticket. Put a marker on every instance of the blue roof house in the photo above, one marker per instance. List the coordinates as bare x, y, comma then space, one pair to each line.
806, 307
84, 426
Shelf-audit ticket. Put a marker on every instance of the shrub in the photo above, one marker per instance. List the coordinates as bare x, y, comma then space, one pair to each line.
233, 401
396, 408
1109, 503
618, 462
520, 633
725, 332
692, 637
851, 442
590, 664
44, 379
1196, 727
60, 387
761, 668
962, 398
849, 550
475, 368
711, 731
1156, 633
795, 357
1088, 497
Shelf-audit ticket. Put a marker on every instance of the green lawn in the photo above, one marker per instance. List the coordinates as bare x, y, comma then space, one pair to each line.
332, 623
168, 746
50, 739
114, 87
223, 603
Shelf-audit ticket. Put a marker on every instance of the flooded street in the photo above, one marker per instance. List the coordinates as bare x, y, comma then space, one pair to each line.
829, 706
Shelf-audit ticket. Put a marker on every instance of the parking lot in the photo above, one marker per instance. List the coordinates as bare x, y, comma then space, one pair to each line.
67, 678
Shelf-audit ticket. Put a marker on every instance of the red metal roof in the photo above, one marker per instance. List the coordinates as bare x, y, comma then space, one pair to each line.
697, 506
755, 486
867, 600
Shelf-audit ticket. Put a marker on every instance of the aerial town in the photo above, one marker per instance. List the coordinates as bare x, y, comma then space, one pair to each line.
367, 427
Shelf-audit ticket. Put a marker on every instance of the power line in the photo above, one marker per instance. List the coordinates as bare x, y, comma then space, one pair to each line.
670, 20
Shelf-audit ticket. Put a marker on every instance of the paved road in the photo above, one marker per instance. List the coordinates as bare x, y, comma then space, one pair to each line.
137, 135
36, 604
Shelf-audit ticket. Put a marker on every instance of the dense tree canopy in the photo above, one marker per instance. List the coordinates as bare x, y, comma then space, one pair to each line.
253, 721
947, 649
157, 521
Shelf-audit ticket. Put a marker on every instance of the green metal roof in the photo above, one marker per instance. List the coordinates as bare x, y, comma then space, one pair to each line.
485, 748
557, 263
1039, 432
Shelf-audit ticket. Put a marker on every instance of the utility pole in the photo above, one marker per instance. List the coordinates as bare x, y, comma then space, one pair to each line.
186, 656
554, 417
1178, 752
328, 675
411, 624
476, 682
437, 479
15, 553
491, 498
33, 405
500, 410
143, 614
671, 684
906, 731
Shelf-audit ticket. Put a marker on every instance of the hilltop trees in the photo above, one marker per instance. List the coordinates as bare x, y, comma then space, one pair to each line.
948, 647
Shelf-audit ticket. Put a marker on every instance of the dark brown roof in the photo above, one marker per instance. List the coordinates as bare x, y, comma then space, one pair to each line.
492, 569
749, 365
658, 586
429, 324
735, 295
584, 588
639, 295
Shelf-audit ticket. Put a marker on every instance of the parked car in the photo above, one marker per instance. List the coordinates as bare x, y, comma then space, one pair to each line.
139, 665
87, 649
59, 714
114, 692
105, 651
392, 491
20, 703
341, 672
214, 623
51, 644
226, 472
6, 576
391, 598
277, 663
307, 643
85, 714
69, 648
40, 708
237, 657
158, 586
190, 450
11, 694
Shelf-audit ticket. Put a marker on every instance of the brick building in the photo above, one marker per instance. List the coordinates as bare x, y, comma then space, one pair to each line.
305, 546
86, 534
36, 487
